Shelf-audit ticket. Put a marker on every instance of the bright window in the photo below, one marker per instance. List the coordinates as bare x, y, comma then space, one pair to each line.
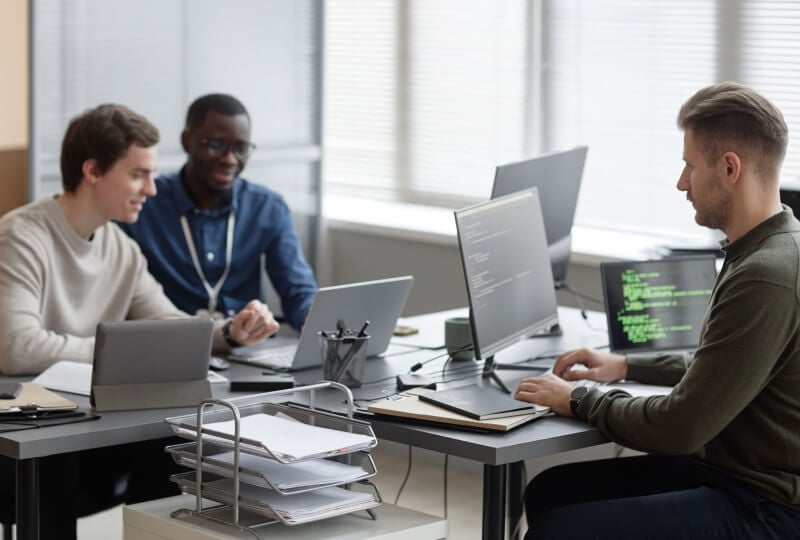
423, 99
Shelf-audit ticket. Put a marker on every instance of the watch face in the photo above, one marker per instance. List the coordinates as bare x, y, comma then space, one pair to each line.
578, 392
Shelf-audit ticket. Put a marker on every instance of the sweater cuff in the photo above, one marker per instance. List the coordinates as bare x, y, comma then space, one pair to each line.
587, 402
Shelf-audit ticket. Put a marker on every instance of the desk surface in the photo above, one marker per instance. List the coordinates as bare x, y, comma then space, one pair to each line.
542, 437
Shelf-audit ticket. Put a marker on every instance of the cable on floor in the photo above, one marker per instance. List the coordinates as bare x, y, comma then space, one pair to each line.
405, 480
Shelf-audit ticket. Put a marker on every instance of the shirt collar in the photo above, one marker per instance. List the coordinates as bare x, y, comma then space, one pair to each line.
781, 222
184, 203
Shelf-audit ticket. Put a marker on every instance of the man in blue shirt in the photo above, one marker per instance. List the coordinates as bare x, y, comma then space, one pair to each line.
205, 233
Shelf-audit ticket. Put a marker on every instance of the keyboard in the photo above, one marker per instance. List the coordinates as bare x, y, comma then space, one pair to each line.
279, 360
587, 383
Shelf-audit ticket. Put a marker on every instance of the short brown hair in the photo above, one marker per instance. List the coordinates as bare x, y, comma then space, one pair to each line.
731, 116
104, 134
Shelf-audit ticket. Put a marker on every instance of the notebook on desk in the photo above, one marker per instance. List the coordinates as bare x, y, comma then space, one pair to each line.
380, 302
657, 305
408, 406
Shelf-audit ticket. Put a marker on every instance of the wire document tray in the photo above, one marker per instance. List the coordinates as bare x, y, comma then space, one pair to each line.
286, 479
288, 463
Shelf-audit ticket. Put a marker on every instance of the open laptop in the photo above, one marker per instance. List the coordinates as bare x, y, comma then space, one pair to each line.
380, 302
151, 352
657, 305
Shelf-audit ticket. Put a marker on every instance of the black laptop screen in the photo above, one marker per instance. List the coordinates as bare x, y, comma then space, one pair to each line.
657, 305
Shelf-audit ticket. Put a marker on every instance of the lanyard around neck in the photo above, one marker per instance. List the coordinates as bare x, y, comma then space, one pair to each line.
213, 292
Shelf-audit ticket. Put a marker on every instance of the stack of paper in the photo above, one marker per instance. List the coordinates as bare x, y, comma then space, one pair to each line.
293, 509
284, 476
67, 376
286, 440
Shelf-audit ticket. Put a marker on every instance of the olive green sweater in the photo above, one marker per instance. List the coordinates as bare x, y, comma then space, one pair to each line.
736, 404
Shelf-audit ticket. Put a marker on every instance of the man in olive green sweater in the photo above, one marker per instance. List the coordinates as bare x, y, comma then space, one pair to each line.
724, 445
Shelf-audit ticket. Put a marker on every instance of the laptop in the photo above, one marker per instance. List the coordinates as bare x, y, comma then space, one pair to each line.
171, 353
657, 305
380, 302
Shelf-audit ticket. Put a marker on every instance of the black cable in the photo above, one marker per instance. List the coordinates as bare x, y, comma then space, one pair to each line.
408, 473
582, 307
566, 286
416, 367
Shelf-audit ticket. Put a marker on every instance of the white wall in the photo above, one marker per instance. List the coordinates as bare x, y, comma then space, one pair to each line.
438, 277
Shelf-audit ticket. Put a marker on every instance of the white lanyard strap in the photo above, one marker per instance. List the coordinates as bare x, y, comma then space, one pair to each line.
213, 292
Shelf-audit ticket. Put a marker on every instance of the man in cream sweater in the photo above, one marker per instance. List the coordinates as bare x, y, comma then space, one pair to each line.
64, 267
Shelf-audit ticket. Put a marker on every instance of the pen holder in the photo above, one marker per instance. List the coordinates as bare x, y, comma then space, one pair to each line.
343, 358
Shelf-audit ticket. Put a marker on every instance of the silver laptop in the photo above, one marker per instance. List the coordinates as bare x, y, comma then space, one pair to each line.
380, 302
146, 352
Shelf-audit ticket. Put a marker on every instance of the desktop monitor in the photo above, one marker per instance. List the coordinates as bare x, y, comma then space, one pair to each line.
507, 270
558, 178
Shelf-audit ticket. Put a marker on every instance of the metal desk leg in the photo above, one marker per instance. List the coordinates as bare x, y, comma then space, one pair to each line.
28, 499
516, 489
494, 501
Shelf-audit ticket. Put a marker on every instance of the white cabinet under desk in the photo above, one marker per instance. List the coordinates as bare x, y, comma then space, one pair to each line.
151, 521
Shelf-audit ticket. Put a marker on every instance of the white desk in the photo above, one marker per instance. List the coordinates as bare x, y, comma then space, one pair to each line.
152, 521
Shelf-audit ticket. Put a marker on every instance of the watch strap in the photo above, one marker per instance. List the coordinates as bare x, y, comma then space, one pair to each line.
575, 399
226, 334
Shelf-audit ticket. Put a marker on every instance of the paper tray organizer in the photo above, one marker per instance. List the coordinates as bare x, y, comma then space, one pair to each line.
224, 479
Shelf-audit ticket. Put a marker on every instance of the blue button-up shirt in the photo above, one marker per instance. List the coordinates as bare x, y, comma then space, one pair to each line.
263, 227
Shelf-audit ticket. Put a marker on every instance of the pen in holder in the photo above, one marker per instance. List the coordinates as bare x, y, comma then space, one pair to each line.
344, 354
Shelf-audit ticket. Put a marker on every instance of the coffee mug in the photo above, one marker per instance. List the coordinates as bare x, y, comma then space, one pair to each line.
458, 338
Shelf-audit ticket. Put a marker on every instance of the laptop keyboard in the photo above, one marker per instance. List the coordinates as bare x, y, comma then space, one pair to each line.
267, 359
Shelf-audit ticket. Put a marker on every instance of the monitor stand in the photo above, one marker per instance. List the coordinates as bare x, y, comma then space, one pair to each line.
490, 367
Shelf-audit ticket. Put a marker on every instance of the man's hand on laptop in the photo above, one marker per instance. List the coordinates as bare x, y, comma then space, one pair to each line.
600, 366
254, 323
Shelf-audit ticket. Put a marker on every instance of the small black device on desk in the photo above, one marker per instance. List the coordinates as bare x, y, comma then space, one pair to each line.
262, 383
9, 390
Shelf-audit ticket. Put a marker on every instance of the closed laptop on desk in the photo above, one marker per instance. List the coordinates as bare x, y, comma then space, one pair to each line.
151, 364
657, 305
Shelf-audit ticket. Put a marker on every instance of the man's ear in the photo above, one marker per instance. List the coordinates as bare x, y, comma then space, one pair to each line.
732, 164
91, 171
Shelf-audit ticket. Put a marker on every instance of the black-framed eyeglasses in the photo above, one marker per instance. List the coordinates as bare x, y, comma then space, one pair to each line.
219, 147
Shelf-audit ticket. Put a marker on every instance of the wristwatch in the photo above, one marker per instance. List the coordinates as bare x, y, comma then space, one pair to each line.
226, 333
575, 399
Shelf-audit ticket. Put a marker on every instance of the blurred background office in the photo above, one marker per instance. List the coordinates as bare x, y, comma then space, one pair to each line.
377, 119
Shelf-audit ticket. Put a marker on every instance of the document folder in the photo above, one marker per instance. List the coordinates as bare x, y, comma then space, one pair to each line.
408, 405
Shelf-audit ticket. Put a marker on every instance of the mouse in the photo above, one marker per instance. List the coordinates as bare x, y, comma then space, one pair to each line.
218, 364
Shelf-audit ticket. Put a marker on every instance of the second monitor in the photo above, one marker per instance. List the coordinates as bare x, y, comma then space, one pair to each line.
557, 176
